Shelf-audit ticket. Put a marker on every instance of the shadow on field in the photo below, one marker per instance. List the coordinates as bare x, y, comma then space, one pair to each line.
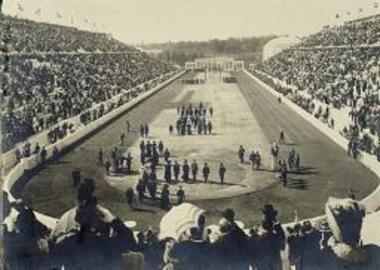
297, 184
143, 210
305, 171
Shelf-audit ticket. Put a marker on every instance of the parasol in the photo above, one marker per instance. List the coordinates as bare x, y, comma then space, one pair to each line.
179, 220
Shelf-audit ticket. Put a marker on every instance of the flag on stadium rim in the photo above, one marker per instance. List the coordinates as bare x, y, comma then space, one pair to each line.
337, 16
59, 15
19, 7
37, 11
376, 5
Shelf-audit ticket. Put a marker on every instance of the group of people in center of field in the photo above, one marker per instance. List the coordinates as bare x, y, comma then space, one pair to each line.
254, 157
193, 120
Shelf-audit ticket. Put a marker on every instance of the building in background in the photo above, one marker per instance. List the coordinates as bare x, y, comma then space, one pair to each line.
277, 45
215, 63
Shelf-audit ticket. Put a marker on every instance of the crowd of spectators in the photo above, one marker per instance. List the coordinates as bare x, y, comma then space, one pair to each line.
360, 32
346, 79
92, 230
27, 36
40, 90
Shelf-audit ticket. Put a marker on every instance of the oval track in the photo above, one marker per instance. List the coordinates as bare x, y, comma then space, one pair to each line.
327, 170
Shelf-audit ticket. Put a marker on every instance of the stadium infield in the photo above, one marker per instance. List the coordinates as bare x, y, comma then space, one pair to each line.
326, 169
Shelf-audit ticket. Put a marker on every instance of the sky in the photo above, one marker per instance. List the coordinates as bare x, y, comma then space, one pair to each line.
146, 21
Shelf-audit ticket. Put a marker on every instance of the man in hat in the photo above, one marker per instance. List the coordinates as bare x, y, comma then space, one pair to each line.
142, 130
176, 169
282, 137
152, 188
185, 170
161, 147
168, 171
114, 153
128, 126
222, 172
122, 138
142, 146
43, 155
206, 172
37, 149
155, 157
194, 169
258, 160
55, 154
284, 174
100, 156
209, 127
146, 130
180, 195
165, 200
211, 110
130, 197
76, 177
241, 153
148, 149
129, 163
166, 154
140, 187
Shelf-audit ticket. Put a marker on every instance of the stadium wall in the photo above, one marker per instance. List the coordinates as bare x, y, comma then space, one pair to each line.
372, 201
16, 174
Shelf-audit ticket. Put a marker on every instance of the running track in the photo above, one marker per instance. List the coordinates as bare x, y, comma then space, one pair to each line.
327, 171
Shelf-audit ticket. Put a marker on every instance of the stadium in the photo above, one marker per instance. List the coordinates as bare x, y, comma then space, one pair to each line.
116, 158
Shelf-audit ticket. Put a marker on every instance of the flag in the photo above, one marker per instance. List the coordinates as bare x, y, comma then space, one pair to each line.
19, 7
348, 13
37, 12
376, 5
360, 10
85, 21
337, 16
59, 16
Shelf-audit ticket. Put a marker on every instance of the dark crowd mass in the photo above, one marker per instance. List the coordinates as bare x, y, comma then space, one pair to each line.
92, 232
364, 31
42, 88
193, 119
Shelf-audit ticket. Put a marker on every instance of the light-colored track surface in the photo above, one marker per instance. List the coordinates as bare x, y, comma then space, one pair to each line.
234, 125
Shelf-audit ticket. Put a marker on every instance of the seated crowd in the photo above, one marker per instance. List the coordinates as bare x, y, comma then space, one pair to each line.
26, 36
346, 79
360, 32
38, 91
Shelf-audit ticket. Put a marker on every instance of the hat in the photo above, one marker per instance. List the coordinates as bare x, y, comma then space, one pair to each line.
269, 210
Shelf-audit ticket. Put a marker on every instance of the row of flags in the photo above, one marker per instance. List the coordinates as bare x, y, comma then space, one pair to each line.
348, 13
38, 12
